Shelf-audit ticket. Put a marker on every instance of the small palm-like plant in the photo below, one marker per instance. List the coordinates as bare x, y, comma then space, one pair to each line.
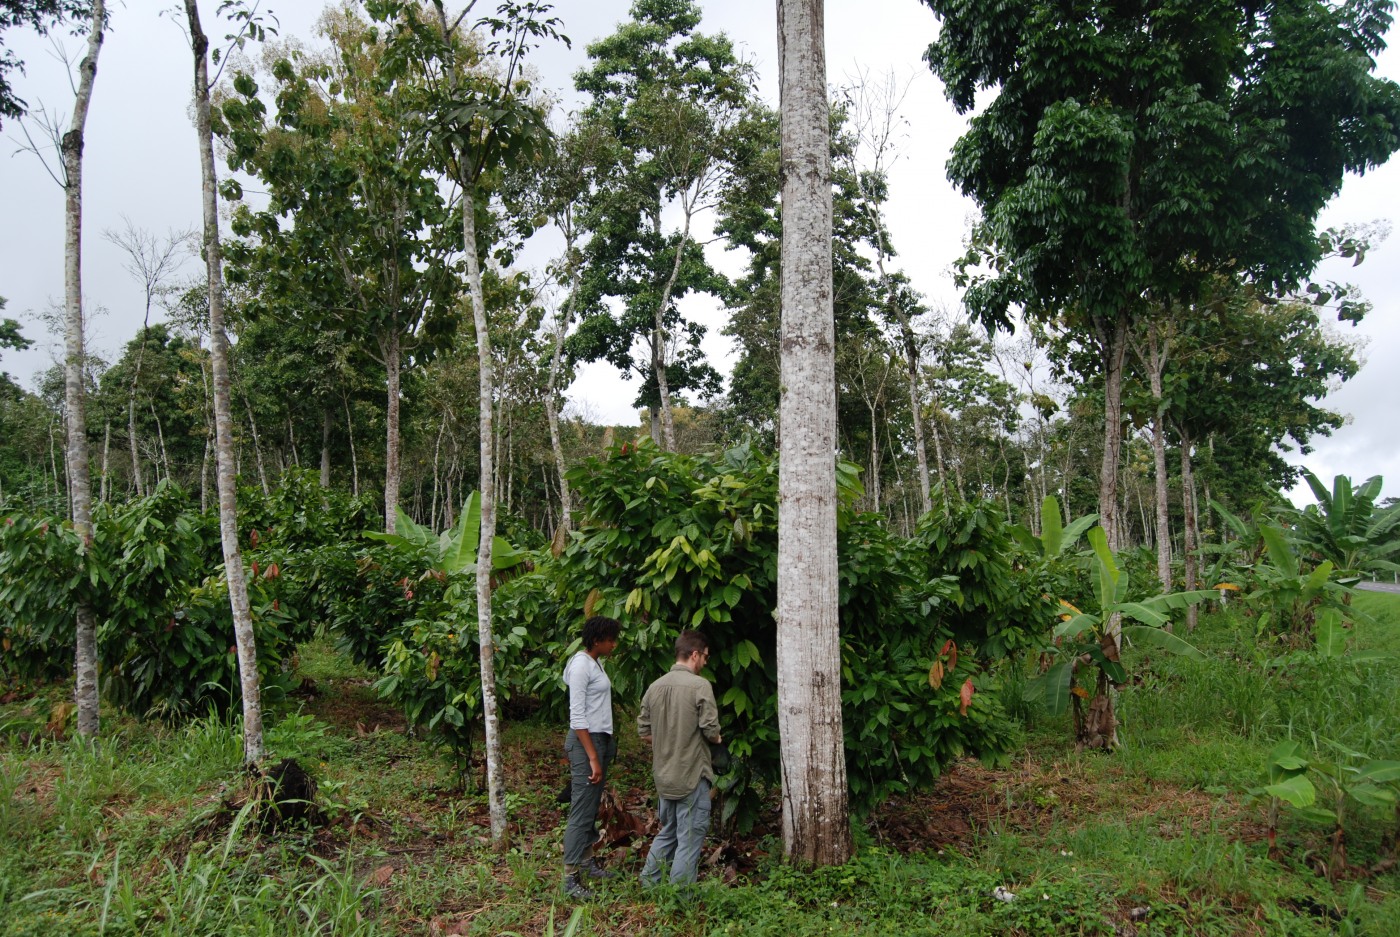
1346, 528
1091, 639
1293, 601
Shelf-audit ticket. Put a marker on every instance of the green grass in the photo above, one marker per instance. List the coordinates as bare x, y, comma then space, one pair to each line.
132, 835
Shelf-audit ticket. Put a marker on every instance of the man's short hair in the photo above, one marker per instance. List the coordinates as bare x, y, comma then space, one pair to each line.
598, 629
688, 642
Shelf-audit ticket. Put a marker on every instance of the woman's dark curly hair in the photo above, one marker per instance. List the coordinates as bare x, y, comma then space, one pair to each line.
598, 629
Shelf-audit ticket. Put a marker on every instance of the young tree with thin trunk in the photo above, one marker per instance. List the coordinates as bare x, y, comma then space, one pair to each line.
873, 116
223, 394
815, 797
483, 121
75, 361
150, 261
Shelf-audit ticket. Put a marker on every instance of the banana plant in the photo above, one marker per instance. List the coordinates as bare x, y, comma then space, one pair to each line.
1086, 638
1055, 537
1292, 601
1348, 778
452, 552
1346, 528
1287, 784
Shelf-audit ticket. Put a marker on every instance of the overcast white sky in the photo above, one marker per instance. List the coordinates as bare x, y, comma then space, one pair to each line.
141, 163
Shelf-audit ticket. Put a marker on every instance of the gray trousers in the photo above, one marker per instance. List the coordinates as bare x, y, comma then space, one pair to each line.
582, 833
684, 823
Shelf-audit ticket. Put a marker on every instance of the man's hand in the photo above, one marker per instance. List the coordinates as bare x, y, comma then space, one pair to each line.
595, 772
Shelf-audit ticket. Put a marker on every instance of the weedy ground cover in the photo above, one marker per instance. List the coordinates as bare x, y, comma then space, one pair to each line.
140, 834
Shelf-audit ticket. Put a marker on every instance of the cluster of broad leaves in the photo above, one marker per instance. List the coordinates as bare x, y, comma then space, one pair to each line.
154, 571
667, 541
1297, 567
662, 542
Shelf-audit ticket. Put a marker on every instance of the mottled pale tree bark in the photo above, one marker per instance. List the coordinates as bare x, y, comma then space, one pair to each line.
223, 396
815, 814
75, 360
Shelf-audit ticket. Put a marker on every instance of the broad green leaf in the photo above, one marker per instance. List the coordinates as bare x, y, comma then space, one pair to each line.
465, 537
504, 554
1107, 583
415, 533
1371, 795
1287, 756
1280, 553
1144, 634
1318, 815
1319, 491
1076, 626
1297, 791
1028, 541
1076, 529
1330, 635
1381, 772
1052, 687
1318, 577
1142, 613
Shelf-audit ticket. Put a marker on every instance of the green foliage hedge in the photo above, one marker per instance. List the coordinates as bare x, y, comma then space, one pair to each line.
668, 541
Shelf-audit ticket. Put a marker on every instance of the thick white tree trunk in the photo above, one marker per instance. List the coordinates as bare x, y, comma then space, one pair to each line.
223, 406
75, 361
815, 817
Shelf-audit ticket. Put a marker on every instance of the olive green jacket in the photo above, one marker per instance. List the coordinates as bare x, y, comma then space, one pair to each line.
680, 717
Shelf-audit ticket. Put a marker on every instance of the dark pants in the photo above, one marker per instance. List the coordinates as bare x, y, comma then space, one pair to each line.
581, 833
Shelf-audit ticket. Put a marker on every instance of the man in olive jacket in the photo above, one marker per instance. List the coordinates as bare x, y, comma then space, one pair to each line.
679, 719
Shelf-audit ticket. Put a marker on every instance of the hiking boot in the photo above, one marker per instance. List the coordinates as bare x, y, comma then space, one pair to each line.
574, 887
596, 871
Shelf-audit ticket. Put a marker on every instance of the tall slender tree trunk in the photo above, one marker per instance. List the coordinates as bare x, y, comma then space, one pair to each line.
658, 348
326, 447
551, 407
437, 453
106, 452
160, 438
1153, 359
204, 476
816, 826
292, 442
938, 462
257, 439
916, 406
1101, 723
1189, 554
390, 348
131, 441
223, 407
354, 460
495, 779
75, 365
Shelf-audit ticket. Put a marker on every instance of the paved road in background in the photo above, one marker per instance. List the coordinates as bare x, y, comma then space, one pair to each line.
1379, 587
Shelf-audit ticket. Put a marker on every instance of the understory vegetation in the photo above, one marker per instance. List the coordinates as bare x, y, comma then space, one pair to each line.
137, 833
1244, 781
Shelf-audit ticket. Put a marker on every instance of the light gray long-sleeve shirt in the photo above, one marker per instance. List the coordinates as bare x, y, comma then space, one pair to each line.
590, 694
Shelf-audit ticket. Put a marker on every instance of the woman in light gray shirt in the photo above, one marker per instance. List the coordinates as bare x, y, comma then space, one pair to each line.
590, 747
